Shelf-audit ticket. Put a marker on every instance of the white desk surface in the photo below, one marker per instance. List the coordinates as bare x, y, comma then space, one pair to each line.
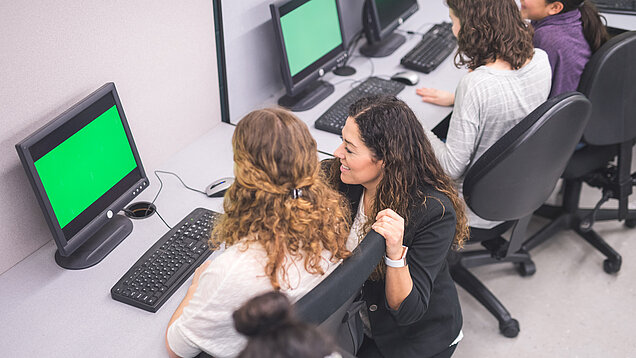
627, 22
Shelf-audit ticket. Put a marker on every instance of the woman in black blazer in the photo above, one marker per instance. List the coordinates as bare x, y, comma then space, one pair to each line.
388, 171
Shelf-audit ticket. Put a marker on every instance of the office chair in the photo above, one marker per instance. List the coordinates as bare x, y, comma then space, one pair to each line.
609, 81
508, 183
331, 306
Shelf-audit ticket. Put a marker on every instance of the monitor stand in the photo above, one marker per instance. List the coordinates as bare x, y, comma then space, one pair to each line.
98, 246
308, 98
383, 48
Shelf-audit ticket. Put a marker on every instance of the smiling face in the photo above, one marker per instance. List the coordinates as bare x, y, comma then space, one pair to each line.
358, 165
539, 9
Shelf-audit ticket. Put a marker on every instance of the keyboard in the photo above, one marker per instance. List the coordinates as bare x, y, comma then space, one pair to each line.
617, 6
162, 269
334, 118
436, 44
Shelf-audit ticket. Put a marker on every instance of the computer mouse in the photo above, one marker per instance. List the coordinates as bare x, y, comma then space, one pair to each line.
407, 77
218, 187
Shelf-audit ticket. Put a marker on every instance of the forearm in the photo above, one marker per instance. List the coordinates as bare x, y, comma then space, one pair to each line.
398, 285
177, 313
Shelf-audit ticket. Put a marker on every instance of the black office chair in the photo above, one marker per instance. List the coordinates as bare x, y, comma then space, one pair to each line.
609, 81
508, 183
331, 306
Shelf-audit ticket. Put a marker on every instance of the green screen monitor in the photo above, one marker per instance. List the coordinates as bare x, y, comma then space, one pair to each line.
84, 168
310, 42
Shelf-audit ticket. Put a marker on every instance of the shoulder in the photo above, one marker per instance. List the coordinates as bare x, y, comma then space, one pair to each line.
433, 206
540, 62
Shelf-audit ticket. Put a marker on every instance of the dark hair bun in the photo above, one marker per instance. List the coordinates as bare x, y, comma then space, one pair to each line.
262, 314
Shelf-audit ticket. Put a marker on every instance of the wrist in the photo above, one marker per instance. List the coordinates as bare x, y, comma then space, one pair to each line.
399, 262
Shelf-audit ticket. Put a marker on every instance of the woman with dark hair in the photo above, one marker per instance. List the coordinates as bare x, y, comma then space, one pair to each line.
385, 166
570, 31
283, 228
273, 331
508, 79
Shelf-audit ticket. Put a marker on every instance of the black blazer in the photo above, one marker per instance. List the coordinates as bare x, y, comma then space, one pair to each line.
430, 317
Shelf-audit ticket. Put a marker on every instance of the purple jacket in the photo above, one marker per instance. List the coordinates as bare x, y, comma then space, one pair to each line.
561, 36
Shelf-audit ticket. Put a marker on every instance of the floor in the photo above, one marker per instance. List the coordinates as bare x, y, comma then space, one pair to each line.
569, 308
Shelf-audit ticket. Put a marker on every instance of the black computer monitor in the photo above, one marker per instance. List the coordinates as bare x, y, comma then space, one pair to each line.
380, 18
84, 168
310, 41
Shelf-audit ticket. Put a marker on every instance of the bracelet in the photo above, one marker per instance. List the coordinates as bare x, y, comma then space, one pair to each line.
401, 262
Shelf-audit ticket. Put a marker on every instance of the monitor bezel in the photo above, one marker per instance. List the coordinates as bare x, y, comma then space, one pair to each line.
379, 33
67, 245
297, 83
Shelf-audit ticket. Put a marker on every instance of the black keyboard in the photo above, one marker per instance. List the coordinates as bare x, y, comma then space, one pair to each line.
436, 44
334, 118
162, 269
617, 6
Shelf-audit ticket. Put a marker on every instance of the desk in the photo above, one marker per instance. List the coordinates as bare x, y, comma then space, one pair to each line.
47, 311
445, 77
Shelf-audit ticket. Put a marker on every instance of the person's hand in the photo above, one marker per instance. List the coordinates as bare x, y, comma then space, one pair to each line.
391, 226
436, 96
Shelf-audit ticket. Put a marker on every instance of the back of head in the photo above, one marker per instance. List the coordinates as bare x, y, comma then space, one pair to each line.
593, 29
273, 331
491, 30
390, 129
279, 198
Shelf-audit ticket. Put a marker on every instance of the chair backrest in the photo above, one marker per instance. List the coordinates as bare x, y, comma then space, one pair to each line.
327, 304
517, 174
609, 82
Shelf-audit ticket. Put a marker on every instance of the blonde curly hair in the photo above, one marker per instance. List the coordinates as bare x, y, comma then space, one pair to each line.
275, 156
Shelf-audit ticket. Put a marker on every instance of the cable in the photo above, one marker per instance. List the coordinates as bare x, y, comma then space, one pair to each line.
184, 184
160, 217
161, 187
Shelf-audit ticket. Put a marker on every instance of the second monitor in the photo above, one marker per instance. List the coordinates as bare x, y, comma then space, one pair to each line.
380, 19
310, 40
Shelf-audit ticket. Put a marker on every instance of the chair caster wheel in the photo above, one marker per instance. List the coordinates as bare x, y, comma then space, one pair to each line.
509, 328
612, 266
526, 268
630, 223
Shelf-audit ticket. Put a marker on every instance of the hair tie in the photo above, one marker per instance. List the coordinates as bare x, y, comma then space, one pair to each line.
296, 193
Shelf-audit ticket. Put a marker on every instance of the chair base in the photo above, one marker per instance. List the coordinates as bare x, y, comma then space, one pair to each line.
459, 264
570, 216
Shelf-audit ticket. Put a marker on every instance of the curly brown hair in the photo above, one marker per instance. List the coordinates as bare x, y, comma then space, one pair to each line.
273, 155
491, 30
390, 129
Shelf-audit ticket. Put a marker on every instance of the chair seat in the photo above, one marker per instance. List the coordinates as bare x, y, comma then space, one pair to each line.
478, 235
589, 159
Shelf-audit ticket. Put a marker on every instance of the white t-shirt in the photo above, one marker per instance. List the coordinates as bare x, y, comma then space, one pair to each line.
229, 281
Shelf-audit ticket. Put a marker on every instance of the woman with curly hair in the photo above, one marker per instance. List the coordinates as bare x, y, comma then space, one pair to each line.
283, 228
508, 79
386, 167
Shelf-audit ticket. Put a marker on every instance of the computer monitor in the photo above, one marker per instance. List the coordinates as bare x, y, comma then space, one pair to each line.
84, 168
310, 41
380, 19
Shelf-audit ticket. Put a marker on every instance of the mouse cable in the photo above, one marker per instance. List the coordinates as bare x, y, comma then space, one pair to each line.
161, 187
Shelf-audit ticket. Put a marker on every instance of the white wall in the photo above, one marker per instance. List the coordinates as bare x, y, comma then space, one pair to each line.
160, 54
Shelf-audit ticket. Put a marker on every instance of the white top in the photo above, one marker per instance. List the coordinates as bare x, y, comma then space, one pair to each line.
231, 279
488, 103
